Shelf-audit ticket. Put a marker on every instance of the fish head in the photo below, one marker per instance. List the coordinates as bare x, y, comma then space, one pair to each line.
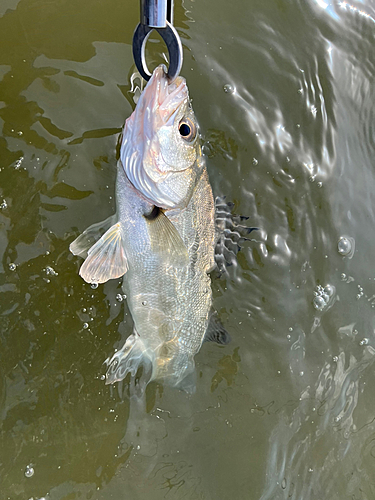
160, 150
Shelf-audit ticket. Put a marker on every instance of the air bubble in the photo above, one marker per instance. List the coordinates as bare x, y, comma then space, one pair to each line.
346, 246
29, 471
229, 89
319, 303
328, 289
119, 297
144, 303
363, 342
94, 286
18, 163
323, 296
4, 205
50, 271
12, 266
85, 326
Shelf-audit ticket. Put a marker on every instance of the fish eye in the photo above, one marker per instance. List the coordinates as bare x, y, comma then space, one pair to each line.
187, 129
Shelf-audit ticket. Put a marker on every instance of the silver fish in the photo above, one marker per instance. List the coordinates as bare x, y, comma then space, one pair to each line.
162, 239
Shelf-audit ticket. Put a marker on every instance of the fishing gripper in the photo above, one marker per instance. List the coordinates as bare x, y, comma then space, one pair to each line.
157, 15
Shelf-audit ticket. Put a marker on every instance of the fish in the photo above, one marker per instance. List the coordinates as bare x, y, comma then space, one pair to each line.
161, 240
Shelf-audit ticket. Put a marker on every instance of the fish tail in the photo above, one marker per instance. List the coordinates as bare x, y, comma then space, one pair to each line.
177, 371
188, 381
129, 359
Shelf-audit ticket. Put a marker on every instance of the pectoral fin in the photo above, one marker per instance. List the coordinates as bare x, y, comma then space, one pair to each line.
165, 239
81, 245
216, 331
106, 259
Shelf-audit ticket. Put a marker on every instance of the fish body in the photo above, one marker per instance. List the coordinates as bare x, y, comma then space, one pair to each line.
170, 304
162, 238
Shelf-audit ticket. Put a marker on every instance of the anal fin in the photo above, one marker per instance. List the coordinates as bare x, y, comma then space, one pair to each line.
129, 359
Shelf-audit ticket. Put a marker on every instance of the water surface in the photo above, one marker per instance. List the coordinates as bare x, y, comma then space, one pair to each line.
284, 94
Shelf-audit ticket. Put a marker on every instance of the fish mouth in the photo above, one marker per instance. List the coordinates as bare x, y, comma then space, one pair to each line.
169, 96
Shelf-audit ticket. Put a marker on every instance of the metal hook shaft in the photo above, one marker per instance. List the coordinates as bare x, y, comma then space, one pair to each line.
158, 15
172, 41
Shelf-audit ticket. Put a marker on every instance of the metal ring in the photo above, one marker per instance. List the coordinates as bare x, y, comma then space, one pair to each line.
172, 41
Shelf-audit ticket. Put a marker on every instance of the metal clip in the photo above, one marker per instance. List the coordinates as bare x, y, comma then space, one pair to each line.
158, 15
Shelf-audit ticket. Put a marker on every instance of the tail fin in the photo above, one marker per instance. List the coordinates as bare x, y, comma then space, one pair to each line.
188, 383
176, 369
128, 359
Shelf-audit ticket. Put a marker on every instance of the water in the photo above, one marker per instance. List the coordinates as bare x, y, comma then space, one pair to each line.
284, 94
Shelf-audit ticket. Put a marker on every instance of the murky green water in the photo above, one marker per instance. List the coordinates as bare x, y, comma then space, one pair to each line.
287, 409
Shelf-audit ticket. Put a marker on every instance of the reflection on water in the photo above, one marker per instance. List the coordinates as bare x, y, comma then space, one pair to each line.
322, 434
284, 94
